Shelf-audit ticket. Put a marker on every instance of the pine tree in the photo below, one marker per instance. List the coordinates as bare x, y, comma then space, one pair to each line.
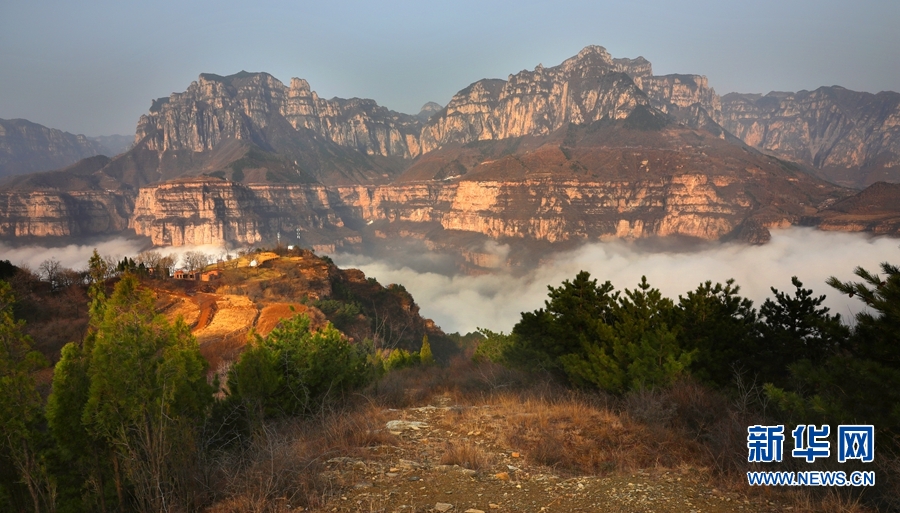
21, 406
425, 355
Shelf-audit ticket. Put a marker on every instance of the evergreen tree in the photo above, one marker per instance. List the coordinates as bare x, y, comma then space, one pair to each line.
721, 326
573, 316
138, 386
795, 328
638, 349
860, 382
425, 356
294, 370
21, 406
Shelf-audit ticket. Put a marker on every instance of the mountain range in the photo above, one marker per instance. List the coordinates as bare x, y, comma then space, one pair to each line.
591, 149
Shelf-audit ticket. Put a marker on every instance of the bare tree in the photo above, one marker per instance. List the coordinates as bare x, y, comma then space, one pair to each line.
150, 259
68, 277
167, 262
49, 271
195, 260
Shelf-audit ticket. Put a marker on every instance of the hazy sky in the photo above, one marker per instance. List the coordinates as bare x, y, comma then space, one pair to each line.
93, 67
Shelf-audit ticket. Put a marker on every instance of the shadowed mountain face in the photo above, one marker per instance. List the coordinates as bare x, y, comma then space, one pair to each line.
849, 138
26, 147
591, 149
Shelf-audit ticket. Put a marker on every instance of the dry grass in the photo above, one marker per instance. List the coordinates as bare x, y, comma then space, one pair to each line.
500, 414
282, 468
467, 455
173, 306
572, 435
233, 314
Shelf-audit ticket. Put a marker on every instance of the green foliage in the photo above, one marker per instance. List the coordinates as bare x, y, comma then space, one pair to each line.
878, 327
494, 347
21, 406
859, 381
637, 350
569, 321
795, 328
138, 386
340, 313
400, 359
294, 370
596, 337
425, 356
721, 327
139, 362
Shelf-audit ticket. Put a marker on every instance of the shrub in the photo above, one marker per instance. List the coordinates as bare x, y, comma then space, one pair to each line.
294, 370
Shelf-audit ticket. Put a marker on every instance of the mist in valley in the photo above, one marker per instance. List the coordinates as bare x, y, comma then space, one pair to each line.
75, 256
463, 303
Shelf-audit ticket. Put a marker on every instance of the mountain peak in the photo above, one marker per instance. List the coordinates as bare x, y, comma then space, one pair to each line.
592, 50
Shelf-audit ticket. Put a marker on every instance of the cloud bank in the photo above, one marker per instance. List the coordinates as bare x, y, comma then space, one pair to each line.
75, 256
463, 303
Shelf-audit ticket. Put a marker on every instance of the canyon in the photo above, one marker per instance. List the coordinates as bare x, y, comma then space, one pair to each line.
592, 149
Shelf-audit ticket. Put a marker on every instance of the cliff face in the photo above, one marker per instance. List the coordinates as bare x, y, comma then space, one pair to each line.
212, 212
653, 195
26, 147
583, 89
590, 149
46, 213
851, 138
250, 106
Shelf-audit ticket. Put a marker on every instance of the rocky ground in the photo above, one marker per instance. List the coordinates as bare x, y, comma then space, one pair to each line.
440, 463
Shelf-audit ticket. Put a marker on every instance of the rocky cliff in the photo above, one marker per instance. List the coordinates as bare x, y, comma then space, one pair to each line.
243, 106
590, 149
586, 88
687, 183
48, 213
26, 147
207, 211
848, 137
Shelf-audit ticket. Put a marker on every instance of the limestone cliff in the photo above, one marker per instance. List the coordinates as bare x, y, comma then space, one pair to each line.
186, 212
26, 147
686, 183
590, 149
49, 213
243, 106
583, 89
850, 138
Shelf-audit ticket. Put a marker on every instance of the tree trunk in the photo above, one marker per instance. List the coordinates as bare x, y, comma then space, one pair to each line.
118, 479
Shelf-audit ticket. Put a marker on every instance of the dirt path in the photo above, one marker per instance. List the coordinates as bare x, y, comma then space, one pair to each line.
207, 305
409, 477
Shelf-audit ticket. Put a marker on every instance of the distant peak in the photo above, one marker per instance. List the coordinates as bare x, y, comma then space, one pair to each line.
592, 50
431, 107
212, 77
428, 110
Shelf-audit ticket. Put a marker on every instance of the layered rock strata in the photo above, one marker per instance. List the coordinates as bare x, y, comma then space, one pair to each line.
49, 213
692, 205
211, 212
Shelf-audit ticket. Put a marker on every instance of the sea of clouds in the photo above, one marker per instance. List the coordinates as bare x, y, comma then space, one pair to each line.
75, 256
463, 303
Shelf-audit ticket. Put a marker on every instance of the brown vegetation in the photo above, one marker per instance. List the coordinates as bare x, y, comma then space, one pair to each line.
510, 437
